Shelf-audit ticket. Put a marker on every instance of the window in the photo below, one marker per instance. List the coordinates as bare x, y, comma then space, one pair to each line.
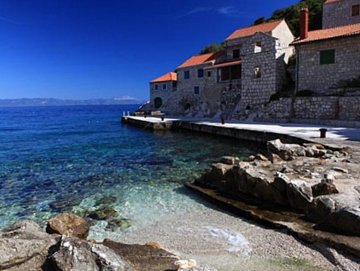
164, 86
200, 73
174, 84
186, 74
355, 10
196, 90
156, 87
236, 53
225, 74
209, 74
236, 72
327, 57
258, 47
257, 72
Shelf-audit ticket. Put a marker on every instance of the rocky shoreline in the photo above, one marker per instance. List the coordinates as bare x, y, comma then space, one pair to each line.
26, 246
319, 184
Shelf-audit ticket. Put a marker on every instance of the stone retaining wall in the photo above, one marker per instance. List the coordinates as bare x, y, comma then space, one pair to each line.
313, 108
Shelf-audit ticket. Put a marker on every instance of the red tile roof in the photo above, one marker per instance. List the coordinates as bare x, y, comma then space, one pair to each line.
330, 1
330, 33
171, 76
251, 30
200, 59
225, 64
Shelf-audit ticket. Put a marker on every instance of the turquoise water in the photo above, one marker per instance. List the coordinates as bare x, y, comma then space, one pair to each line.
55, 159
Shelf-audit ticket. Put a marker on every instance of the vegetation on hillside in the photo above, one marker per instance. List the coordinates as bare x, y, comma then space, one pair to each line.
292, 15
212, 48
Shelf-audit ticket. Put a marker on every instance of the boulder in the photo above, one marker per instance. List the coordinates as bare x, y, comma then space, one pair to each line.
299, 194
229, 160
325, 187
320, 208
285, 151
24, 246
346, 220
143, 257
280, 186
215, 176
76, 254
68, 224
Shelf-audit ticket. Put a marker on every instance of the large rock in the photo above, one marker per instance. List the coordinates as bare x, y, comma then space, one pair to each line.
24, 246
285, 151
321, 208
142, 257
215, 176
75, 254
346, 220
68, 224
299, 194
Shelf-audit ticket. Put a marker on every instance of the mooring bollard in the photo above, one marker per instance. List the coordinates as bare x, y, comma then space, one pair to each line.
323, 133
222, 121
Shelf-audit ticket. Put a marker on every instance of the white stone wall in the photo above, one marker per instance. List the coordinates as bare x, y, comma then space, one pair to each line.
321, 78
338, 13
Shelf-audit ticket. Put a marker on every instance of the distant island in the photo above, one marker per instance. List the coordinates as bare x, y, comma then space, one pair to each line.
64, 102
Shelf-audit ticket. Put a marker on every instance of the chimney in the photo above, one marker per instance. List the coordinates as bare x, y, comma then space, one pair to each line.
304, 23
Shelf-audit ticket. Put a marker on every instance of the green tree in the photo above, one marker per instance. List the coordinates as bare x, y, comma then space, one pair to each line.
292, 15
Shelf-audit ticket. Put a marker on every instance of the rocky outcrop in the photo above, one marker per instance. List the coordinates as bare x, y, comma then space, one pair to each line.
26, 246
291, 177
76, 254
68, 224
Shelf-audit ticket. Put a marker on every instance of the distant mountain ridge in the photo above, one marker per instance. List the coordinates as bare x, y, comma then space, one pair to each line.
63, 102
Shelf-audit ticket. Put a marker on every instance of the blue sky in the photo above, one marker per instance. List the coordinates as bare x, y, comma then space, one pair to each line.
83, 49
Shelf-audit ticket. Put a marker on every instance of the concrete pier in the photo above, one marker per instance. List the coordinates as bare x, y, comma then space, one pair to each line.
258, 132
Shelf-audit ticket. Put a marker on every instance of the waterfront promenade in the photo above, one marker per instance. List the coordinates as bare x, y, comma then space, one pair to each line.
307, 132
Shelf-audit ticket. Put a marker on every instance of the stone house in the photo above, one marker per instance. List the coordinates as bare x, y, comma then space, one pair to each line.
162, 89
340, 12
244, 75
249, 70
327, 58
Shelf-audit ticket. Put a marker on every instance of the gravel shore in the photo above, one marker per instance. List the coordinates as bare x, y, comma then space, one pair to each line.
229, 243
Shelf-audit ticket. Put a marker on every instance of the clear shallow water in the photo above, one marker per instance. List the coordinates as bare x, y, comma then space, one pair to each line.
55, 159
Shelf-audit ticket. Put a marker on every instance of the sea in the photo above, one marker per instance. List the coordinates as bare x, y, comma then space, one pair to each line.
80, 158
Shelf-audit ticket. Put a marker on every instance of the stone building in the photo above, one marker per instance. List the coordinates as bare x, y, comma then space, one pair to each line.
244, 75
340, 12
162, 89
327, 58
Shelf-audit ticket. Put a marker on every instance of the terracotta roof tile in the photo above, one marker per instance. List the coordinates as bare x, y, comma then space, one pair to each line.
200, 59
251, 30
330, 1
171, 76
329, 33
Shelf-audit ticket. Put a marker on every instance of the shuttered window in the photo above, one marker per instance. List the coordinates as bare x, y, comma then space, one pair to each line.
327, 57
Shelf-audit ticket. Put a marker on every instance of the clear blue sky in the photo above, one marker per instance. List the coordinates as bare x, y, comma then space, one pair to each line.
77, 49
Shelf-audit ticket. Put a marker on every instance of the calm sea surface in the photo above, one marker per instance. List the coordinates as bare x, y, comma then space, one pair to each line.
75, 158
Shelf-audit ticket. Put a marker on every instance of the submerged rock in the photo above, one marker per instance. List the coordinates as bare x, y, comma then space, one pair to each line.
68, 224
103, 213
118, 223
